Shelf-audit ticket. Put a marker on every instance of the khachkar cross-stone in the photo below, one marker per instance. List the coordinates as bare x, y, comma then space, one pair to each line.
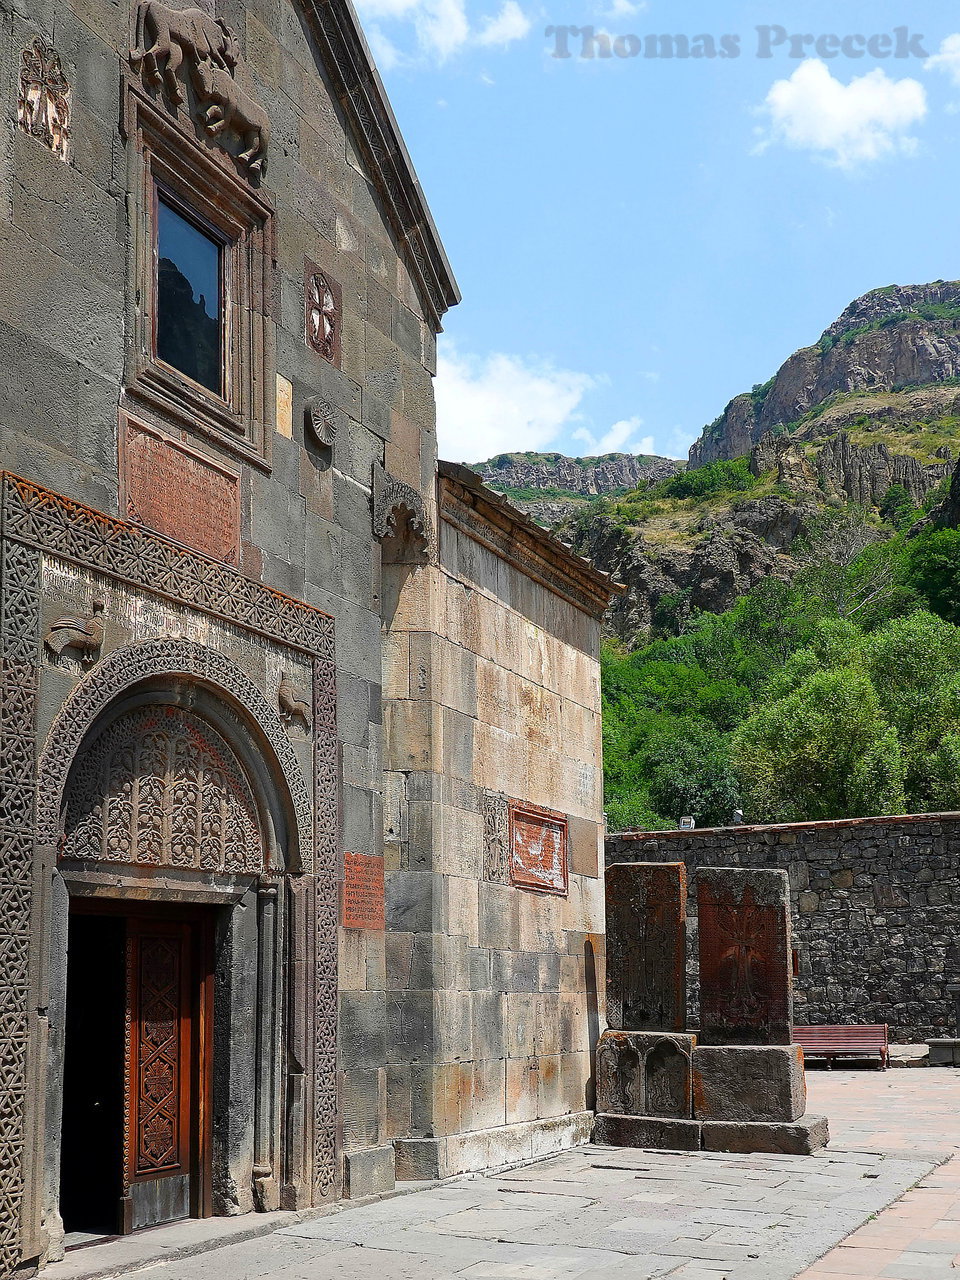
746, 978
646, 946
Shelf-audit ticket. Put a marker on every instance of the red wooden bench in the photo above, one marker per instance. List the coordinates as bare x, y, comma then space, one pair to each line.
844, 1042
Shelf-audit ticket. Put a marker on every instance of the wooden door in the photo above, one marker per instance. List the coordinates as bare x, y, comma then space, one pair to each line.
166, 1090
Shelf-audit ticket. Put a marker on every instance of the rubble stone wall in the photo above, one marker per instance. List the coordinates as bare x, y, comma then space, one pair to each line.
875, 904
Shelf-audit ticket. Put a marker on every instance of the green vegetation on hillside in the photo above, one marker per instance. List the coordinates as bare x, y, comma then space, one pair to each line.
836, 696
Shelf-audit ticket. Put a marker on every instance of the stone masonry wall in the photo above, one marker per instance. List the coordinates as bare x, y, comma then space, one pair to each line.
876, 911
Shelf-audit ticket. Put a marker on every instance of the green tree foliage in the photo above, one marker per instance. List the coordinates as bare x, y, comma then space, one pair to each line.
836, 696
703, 482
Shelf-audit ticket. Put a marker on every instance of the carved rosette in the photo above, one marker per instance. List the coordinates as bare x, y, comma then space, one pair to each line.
320, 422
392, 499
43, 107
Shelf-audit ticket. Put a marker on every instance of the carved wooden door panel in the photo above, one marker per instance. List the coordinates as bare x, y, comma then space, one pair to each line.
162, 1073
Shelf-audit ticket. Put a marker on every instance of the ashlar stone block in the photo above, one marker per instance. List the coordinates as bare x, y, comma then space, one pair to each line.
646, 946
647, 1132
645, 1073
749, 1082
801, 1138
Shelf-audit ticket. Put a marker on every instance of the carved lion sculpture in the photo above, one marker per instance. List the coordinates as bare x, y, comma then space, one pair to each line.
224, 105
167, 36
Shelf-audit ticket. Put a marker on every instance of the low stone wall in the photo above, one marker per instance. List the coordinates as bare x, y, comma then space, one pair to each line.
876, 911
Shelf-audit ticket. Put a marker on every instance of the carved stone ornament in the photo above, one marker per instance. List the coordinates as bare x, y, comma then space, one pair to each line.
83, 633
291, 704
207, 49
43, 108
159, 787
320, 422
323, 313
391, 498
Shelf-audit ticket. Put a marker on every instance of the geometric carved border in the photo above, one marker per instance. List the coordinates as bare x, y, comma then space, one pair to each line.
19, 641
327, 867
124, 550
122, 669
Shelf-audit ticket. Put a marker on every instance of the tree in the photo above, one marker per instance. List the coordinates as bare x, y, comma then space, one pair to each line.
823, 751
846, 565
933, 570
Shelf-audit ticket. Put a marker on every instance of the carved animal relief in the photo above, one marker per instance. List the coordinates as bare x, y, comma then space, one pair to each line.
83, 634
206, 50
159, 787
43, 108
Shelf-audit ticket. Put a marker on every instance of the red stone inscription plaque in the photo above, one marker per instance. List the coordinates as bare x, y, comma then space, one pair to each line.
538, 849
746, 981
362, 891
179, 492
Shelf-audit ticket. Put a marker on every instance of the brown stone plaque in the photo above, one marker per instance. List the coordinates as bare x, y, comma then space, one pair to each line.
538, 849
746, 980
646, 946
362, 891
179, 492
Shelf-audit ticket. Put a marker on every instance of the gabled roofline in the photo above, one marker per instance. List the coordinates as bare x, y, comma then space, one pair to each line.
361, 94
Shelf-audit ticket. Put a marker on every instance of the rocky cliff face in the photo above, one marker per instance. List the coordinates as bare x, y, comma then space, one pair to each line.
588, 477
843, 469
886, 340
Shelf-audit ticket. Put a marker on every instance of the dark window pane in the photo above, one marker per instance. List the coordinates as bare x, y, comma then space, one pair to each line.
188, 299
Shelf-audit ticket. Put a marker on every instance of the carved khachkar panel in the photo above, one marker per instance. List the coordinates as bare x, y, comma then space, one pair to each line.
159, 787
646, 946
124, 668
155, 964
327, 866
496, 837
125, 551
538, 848
19, 645
391, 500
169, 39
179, 492
746, 976
323, 302
43, 106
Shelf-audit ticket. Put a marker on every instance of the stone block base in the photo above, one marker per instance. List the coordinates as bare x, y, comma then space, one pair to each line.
648, 1132
433, 1158
800, 1138
369, 1173
645, 1073
749, 1083
944, 1053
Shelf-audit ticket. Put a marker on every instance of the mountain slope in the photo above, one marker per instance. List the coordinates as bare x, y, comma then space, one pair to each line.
864, 368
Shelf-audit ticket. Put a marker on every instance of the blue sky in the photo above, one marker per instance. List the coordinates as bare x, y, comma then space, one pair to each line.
639, 238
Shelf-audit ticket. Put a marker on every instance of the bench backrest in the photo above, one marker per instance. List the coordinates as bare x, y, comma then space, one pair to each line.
869, 1036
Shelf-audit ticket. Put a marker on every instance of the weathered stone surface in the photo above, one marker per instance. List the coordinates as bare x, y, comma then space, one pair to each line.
800, 1138
369, 1172
746, 981
647, 1132
944, 1053
645, 1073
896, 877
749, 1082
646, 945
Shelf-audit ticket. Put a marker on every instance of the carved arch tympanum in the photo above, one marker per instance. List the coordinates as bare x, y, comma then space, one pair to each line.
160, 787
119, 672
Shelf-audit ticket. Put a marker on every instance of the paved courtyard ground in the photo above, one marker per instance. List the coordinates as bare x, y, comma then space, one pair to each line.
600, 1213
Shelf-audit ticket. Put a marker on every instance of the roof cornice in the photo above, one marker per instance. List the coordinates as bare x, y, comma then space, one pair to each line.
361, 94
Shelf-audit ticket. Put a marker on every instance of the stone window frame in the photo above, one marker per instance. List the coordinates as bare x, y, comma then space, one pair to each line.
522, 809
165, 161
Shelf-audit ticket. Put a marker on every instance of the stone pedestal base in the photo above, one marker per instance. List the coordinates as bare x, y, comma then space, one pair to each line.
749, 1083
944, 1053
649, 1132
801, 1138
368, 1173
645, 1073
433, 1158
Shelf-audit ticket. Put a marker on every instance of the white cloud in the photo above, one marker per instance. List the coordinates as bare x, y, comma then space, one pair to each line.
947, 59
625, 8
502, 403
510, 24
616, 439
848, 125
440, 27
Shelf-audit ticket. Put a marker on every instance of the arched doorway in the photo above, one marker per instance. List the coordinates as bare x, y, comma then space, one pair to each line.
156, 786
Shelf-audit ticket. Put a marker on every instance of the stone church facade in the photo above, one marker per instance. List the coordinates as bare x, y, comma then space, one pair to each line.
300, 794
